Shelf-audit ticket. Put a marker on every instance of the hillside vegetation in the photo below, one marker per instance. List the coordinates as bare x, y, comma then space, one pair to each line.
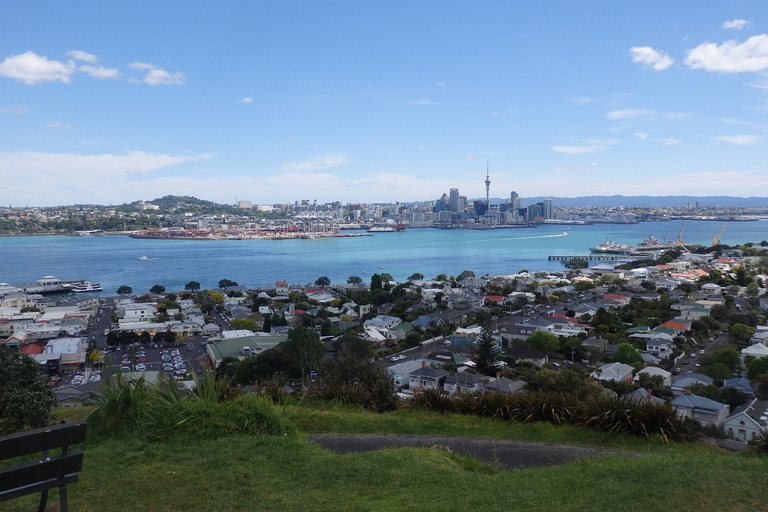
288, 472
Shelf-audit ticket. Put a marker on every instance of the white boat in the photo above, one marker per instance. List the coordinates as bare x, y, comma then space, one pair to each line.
86, 286
143, 258
381, 229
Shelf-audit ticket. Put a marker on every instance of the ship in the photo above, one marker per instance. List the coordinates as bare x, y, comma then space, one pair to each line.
86, 286
647, 244
651, 243
611, 247
381, 229
143, 258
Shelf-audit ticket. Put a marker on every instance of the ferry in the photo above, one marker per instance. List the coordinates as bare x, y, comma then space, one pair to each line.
86, 286
611, 247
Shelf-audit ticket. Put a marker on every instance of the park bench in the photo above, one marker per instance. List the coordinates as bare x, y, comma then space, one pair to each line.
45, 471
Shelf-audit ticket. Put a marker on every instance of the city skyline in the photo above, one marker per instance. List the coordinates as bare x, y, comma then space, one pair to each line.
381, 102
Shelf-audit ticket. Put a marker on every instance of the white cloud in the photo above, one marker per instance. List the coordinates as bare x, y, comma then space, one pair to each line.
67, 178
731, 56
315, 164
649, 57
32, 69
100, 72
158, 76
247, 100
422, 147
736, 24
641, 136
578, 150
56, 124
21, 110
669, 142
738, 140
85, 57
643, 114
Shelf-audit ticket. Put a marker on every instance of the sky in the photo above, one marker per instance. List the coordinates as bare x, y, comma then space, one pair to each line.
279, 101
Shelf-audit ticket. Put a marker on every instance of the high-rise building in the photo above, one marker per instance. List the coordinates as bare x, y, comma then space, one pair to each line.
487, 187
515, 200
454, 200
547, 209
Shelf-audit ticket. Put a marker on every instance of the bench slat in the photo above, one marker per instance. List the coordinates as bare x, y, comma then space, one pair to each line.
48, 438
49, 472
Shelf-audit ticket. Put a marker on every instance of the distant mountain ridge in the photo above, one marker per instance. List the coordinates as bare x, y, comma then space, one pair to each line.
658, 201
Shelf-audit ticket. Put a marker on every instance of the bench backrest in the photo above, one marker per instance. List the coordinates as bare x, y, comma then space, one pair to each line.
47, 471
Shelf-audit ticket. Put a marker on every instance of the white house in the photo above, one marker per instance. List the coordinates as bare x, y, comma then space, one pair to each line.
463, 382
613, 371
748, 421
703, 410
655, 371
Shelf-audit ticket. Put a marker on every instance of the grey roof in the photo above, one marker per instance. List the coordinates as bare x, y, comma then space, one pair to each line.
697, 402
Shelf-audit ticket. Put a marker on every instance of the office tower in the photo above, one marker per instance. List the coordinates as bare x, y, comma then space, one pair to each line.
547, 209
515, 199
454, 200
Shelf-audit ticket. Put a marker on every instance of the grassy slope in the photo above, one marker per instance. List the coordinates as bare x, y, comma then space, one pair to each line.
267, 473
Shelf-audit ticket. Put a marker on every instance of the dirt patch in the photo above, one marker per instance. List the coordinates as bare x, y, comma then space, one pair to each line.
506, 454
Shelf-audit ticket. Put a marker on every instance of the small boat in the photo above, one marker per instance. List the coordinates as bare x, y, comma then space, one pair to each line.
86, 286
143, 258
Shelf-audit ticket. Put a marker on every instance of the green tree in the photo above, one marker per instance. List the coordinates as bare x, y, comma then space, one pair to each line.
192, 286
412, 339
376, 282
740, 333
543, 340
465, 275
728, 357
113, 339
124, 290
627, 354
416, 276
719, 372
757, 367
355, 280
26, 397
226, 283
576, 263
486, 353
248, 324
157, 289
322, 281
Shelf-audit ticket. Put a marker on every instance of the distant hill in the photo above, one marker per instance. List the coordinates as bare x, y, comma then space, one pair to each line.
660, 201
166, 202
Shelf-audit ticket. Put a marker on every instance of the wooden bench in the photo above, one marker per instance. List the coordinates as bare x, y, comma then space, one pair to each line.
46, 471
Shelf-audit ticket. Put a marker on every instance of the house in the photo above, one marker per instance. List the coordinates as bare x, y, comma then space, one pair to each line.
703, 410
401, 372
642, 395
593, 344
504, 385
613, 371
757, 350
659, 347
679, 386
463, 382
740, 384
426, 378
525, 353
652, 371
710, 289
748, 421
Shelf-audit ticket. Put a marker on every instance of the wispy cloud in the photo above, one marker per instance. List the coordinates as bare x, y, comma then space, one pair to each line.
324, 163
578, 150
20, 110
649, 57
736, 24
56, 124
615, 115
247, 100
641, 136
669, 142
158, 76
738, 140
731, 56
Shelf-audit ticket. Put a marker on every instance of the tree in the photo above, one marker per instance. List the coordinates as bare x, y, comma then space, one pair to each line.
247, 324
740, 333
576, 263
416, 276
719, 372
627, 354
192, 286
486, 353
322, 281
157, 289
226, 283
113, 339
728, 357
26, 397
376, 283
466, 274
386, 277
354, 280
124, 290
170, 337
543, 340
757, 367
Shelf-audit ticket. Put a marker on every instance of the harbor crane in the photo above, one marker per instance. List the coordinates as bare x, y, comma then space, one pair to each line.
716, 238
680, 242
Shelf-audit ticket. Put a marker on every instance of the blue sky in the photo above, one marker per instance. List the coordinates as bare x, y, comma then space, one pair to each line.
112, 102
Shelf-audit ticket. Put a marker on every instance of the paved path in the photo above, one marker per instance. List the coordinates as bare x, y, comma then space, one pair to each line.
506, 454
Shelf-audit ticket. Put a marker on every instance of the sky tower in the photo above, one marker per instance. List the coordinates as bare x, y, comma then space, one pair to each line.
487, 187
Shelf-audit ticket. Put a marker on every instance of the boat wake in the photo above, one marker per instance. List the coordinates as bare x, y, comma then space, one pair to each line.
564, 233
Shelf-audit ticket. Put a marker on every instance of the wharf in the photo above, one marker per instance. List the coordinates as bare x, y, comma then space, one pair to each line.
589, 257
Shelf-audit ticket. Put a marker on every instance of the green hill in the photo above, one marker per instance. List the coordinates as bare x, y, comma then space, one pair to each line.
289, 472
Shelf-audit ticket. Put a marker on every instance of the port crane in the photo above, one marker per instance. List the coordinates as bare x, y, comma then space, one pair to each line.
716, 238
680, 242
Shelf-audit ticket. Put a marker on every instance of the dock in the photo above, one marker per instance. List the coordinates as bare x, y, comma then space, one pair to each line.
589, 257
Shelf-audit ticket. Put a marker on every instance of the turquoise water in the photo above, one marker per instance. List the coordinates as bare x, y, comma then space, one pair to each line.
113, 261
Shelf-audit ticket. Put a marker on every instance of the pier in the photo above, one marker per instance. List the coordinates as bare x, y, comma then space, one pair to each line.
590, 257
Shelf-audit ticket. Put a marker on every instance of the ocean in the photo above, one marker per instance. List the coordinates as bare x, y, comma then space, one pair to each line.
113, 261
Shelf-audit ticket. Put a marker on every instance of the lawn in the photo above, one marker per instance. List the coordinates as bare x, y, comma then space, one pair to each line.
289, 472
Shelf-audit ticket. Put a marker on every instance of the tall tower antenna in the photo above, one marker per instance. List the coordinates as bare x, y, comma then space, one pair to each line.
487, 186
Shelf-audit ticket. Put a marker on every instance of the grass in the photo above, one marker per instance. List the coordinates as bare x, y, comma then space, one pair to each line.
289, 473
